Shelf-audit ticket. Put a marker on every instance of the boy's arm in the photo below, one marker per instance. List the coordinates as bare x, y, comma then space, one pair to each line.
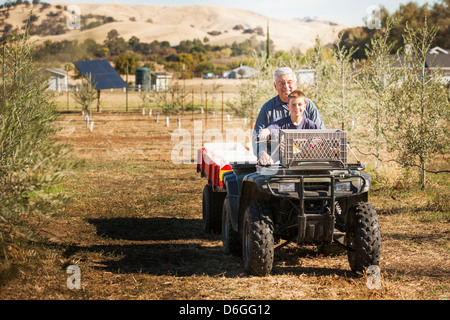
265, 133
264, 158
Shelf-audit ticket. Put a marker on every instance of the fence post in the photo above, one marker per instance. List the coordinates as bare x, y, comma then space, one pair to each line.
3, 72
222, 113
126, 88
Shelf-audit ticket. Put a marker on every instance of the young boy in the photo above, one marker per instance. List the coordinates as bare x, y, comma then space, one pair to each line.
296, 106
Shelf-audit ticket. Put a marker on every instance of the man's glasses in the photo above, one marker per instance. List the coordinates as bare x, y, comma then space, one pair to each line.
290, 83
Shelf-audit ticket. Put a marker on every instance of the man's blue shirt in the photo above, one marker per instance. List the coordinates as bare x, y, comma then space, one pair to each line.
274, 110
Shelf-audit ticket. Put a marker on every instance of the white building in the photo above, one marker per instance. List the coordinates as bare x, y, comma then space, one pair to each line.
160, 81
242, 72
58, 79
305, 77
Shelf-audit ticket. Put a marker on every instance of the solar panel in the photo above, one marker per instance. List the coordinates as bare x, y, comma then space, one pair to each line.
102, 74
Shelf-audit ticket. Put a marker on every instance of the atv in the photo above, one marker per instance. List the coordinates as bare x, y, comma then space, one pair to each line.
310, 196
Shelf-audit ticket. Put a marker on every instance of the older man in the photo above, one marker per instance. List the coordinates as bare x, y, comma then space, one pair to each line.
276, 108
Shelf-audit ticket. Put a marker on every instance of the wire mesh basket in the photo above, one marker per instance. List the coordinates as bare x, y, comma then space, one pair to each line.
313, 148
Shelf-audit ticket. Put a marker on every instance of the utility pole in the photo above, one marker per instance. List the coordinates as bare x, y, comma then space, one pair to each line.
67, 85
126, 88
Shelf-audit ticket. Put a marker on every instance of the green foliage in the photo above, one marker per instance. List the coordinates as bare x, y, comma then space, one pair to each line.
89, 21
30, 158
418, 113
197, 56
162, 100
335, 91
405, 103
342, 100
402, 111
254, 92
378, 82
128, 58
115, 44
411, 13
86, 94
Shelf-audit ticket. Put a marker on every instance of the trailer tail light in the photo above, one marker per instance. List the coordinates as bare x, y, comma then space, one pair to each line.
224, 169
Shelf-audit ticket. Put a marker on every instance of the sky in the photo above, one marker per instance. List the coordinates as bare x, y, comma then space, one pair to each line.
349, 12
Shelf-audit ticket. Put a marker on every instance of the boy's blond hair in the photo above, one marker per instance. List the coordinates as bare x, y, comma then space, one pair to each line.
296, 94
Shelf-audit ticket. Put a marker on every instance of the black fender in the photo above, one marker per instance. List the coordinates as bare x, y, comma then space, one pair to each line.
231, 185
259, 180
254, 189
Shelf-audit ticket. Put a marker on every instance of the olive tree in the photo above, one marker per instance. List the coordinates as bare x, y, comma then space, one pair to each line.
417, 117
30, 158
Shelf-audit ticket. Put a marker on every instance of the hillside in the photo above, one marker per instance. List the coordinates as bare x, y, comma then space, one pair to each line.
174, 24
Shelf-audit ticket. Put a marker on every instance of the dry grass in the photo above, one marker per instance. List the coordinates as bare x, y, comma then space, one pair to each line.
134, 229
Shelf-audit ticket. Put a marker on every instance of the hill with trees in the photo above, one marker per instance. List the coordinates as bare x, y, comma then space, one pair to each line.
409, 14
202, 38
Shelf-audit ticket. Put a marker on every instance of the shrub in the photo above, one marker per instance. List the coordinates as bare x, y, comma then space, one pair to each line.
30, 159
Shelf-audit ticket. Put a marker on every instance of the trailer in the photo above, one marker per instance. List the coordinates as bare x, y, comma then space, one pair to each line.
213, 161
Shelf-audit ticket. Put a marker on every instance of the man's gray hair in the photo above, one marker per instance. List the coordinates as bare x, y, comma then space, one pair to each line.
284, 70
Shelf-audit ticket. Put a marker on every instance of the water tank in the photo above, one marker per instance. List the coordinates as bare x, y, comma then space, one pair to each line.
143, 78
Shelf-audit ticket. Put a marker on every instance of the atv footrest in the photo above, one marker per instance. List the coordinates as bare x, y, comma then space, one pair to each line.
315, 228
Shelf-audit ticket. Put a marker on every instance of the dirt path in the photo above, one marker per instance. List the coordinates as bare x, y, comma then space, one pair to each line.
134, 230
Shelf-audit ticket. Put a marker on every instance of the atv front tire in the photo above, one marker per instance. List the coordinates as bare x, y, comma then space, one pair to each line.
363, 236
257, 240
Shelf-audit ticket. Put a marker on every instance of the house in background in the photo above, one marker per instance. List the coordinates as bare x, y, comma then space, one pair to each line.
58, 79
242, 72
436, 58
305, 77
160, 81
439, 58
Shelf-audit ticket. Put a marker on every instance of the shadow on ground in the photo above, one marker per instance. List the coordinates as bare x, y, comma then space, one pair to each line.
155, 249
144, 229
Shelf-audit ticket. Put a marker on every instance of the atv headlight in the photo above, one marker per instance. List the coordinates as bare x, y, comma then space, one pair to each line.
342, 186
286, 187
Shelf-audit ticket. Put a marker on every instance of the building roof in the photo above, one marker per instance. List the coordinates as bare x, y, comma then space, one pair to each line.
161, 74
435, 58
57, 71
439, 59
242, 71
438, 50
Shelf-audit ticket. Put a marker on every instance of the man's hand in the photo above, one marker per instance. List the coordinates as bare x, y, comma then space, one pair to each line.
264, 134
265, 159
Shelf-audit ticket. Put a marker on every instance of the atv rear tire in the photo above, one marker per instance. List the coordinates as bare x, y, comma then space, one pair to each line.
257, 240
212, 210
363, 235
230, 238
